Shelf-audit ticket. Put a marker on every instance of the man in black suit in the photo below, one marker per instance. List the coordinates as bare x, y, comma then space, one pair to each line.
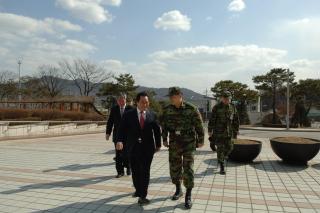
140, 131
113, 124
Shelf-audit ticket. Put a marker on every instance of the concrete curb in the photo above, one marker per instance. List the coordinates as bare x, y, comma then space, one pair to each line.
279, 129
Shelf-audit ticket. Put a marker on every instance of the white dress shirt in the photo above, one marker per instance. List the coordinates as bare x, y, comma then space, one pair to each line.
122, 109
139, 114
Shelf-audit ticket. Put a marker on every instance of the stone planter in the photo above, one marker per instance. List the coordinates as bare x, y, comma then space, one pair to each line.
295, 149
245, 150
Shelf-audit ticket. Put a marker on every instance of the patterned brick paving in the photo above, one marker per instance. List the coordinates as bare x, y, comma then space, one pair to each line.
76, 174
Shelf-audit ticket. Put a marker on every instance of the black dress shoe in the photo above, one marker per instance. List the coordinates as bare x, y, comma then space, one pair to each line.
143, 201
119, 175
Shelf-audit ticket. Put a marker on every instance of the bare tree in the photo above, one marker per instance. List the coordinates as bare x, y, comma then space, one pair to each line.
86, 75
8, 86
31, 87
50, 80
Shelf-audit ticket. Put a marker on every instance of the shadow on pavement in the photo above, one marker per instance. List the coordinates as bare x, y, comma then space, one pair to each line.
209, 171
60, 184
77, 167
160, 180
237, 164
106, 205
278, 166
204, 152
211, 162
316, 166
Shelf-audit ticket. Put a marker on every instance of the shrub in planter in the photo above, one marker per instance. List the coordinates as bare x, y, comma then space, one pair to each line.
295, 149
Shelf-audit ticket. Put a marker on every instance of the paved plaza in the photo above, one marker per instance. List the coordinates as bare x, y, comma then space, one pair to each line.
76, 174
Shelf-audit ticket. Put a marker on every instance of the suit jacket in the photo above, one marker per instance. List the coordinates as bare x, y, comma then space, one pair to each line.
114, 120
130, 132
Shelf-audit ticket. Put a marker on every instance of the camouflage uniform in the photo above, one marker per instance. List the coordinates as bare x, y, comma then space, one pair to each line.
224, 126
185, 129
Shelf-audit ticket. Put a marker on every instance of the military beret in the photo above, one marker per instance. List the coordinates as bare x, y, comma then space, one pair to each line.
174, 91
226, 94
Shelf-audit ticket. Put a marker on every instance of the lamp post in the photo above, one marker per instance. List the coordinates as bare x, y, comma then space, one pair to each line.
288, 99
19, 86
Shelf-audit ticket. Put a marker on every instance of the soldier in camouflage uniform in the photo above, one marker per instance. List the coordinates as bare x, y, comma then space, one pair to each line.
183, 123
223, 128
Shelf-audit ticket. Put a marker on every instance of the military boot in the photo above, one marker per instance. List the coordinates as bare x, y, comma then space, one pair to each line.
178, 192
222, 172
188, 201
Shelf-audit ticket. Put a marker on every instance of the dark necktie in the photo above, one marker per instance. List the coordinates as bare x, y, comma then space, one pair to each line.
141, 120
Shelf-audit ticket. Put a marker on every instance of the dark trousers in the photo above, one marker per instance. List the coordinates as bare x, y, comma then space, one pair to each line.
181, 161
224, 148
121, 161
140, 165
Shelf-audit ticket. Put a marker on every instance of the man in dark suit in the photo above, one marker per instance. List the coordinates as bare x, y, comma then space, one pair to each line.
113, 124
140, 131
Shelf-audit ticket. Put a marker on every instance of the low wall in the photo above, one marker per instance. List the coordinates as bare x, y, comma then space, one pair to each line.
44, 129
315, 125
256, 117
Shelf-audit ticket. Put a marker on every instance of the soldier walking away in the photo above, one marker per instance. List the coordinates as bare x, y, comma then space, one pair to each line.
223, 128
182, 122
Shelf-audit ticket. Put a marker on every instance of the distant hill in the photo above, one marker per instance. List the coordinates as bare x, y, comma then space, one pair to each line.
71, 89
162, 92
189, 95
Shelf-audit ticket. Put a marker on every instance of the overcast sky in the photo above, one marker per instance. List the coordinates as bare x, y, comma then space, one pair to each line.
189, 43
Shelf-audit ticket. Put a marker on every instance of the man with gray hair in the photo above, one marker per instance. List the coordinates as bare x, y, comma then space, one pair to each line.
113, 124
